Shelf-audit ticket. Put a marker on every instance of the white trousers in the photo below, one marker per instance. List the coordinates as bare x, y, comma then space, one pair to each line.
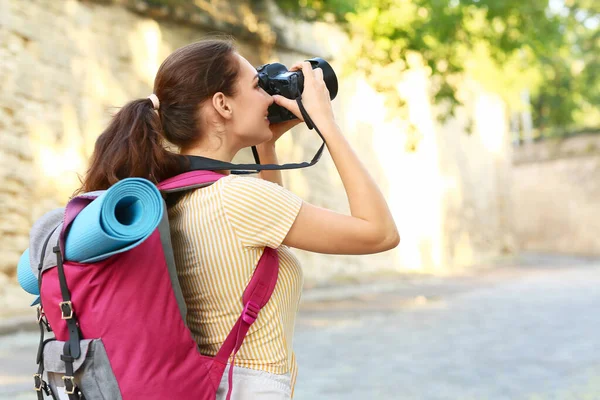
251, 384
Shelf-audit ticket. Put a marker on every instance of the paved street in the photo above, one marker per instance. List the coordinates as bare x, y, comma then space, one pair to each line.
520, 334
528, 333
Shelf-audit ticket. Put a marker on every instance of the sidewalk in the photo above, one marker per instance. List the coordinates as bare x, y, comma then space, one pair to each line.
520, 333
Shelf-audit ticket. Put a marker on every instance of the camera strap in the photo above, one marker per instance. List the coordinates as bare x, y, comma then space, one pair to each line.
209, 164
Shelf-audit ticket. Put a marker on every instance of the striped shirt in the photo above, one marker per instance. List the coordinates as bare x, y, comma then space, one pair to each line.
218, 235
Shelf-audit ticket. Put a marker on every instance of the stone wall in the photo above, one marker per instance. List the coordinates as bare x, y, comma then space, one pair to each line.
556, 191
456, 187
66, 65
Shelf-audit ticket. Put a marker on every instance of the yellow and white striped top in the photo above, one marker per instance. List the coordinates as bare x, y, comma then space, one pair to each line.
218, 236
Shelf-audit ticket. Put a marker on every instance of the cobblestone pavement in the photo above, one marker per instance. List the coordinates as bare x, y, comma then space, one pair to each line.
520, 334
525, 333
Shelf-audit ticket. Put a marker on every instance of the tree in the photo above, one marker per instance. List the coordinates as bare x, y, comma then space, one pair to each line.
551, 51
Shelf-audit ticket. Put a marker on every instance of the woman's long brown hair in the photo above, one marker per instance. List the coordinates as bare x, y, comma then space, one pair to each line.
133, 144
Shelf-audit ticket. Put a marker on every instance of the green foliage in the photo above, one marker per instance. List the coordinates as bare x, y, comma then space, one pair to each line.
507, 45
312, 10
569, 95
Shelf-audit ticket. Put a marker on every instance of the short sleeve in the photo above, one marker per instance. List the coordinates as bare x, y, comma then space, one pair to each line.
261, 212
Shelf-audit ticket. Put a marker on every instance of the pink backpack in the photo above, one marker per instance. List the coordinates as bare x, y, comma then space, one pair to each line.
119, 324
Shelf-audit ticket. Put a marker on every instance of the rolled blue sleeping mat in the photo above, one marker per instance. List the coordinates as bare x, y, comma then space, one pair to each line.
25, 276
118, 220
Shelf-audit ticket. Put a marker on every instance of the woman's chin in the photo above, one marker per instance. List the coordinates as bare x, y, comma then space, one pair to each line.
257, 137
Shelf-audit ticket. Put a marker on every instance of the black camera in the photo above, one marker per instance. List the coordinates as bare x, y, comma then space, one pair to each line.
276, 79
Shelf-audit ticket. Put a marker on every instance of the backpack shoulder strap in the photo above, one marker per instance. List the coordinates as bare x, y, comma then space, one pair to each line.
73, 208
259, 289
256, 296
189, 180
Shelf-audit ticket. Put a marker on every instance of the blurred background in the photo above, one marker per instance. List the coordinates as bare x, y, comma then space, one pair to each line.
480, 120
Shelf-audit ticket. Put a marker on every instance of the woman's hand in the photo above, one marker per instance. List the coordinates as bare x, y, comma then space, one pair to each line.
279, 128
315, 96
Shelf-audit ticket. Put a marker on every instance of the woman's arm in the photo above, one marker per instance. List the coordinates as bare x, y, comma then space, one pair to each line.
370, 228
268, 155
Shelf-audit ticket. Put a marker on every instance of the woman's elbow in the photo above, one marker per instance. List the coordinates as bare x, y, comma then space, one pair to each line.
393, 240
387, 241
396, 240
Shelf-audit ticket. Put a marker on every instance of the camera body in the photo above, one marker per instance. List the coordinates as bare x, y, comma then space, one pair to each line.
275, 78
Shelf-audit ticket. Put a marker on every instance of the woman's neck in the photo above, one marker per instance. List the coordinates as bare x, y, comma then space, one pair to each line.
220, 154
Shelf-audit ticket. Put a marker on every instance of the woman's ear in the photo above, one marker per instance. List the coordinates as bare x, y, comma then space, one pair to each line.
221, 104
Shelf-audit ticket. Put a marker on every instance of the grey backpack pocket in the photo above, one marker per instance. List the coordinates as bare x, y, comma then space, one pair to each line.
93, 373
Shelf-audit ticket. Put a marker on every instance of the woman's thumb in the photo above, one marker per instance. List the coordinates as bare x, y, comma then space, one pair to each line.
280, 100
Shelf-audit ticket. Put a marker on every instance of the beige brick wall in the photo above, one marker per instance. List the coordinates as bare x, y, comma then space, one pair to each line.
556, 195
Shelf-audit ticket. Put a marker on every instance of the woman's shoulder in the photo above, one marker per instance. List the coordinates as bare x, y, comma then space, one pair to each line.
255, 191
234, 183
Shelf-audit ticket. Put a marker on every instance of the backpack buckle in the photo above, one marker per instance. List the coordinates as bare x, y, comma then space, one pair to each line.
250, 312
70, 387
37, 378
40, 314
66, 309
41, 318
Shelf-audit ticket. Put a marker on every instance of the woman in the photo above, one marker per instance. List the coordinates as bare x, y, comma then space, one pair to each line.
208, 103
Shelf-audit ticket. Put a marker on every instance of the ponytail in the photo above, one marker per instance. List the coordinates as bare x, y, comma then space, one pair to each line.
131, 146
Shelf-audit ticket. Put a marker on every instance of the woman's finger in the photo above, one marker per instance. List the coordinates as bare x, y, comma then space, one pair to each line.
288, 104
318, 74
308, 72
297, 66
